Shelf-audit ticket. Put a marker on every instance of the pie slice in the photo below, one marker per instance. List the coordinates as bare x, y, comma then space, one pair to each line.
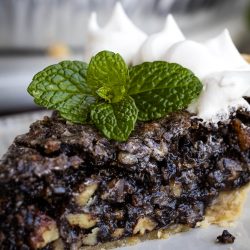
65, 186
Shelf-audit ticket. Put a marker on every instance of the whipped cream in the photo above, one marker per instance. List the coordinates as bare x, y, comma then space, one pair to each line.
157, 44
223, 92
119, 35
222, 70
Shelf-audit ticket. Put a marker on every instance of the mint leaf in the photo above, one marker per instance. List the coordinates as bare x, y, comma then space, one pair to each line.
115, 120
108, 70
105, 93
112, 95
63, 87
161, 87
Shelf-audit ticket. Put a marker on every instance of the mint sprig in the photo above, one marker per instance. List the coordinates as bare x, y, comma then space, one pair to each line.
63, 87
115, 120
160, 87
107, 75
111, 95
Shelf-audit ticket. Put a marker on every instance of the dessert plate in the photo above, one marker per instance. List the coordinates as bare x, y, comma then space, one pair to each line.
195, 239
11, 126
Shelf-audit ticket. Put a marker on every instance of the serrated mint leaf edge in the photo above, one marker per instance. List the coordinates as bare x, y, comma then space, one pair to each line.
81, 86
159, 110
98, 78
178, 78
121, 135
141, 72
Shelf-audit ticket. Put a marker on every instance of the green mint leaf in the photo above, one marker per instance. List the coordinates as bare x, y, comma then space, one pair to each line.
115, 120
161, 87
108, 70
63, 87
105, 93
145, 92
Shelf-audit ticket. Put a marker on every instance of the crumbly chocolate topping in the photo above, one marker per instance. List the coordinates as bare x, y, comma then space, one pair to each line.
226, 238
66, 184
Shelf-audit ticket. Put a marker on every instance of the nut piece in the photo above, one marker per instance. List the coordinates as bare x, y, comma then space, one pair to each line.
45, 233
85, 194
175, 188
58, 245
119, 214
52, 146
127, 159
118, 233
243, 134
91, 239
85, 221
143, 225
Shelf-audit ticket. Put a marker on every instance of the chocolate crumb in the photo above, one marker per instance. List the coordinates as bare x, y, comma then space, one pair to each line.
226, 238
66, 186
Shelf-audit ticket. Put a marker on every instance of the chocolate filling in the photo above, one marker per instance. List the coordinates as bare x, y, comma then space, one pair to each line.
68, 184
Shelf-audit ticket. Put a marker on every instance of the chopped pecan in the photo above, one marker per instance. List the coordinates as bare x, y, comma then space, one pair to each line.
52, 146
91, 239
82, 220
143, 225
86, 191
46, 231
243, 134
58, 245
118, 233
175, 188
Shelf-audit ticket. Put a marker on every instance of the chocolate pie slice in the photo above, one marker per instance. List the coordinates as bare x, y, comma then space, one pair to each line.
121, 161
66, 186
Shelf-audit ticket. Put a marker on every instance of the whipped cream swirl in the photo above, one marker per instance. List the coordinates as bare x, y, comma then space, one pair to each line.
224, 73
119, 35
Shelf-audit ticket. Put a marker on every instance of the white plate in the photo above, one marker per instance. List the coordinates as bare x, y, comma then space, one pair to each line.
11, 126
195, 239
